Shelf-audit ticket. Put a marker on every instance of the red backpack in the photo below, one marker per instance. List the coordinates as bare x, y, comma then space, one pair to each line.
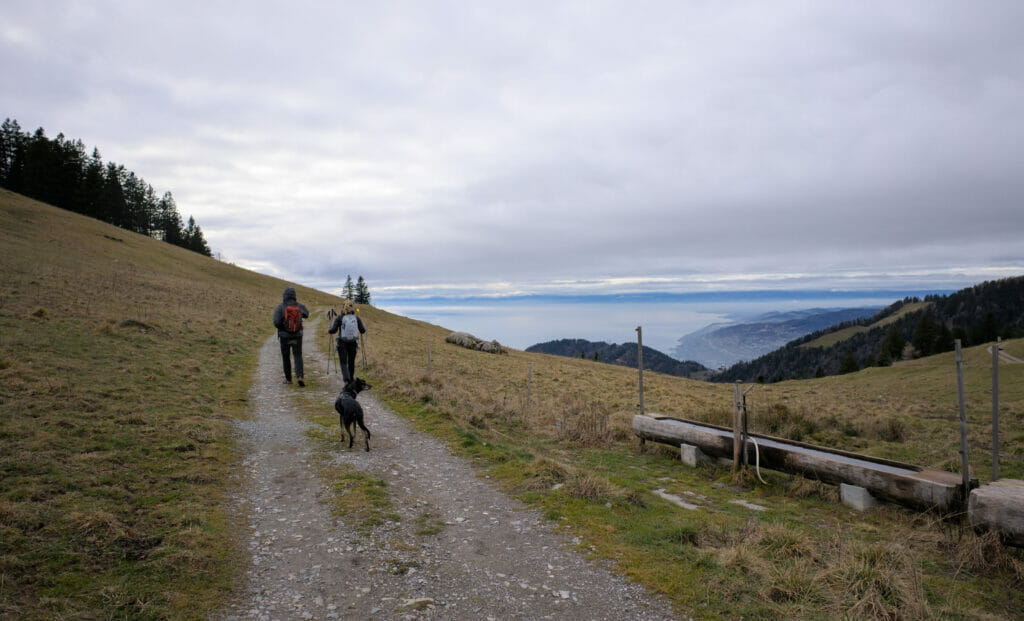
292, 318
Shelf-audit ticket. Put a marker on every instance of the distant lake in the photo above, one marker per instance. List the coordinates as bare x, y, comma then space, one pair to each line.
522, 321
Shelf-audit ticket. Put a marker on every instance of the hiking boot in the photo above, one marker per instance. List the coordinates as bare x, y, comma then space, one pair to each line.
301, 383
287, 381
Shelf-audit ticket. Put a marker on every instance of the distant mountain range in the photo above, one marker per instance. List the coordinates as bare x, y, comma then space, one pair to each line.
909, 328
725, 344
623, 355
818, 342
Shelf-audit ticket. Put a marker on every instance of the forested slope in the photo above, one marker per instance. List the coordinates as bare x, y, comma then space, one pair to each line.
975, 315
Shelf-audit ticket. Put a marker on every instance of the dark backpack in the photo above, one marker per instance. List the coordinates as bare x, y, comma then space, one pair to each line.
292, 318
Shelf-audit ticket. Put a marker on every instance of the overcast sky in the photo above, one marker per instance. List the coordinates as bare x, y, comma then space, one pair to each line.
502, 147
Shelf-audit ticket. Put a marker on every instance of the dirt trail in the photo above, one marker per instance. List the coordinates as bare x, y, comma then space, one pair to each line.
491, 558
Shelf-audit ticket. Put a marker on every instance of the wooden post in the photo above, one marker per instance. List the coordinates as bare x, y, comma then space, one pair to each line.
640, 363
744, 436
963, 418
428, 359
736, 427
995, 410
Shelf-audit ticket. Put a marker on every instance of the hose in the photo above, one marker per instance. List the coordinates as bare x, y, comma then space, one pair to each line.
757, 460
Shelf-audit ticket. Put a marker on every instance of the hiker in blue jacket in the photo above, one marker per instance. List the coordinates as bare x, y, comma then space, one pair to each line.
288, 318
349, 326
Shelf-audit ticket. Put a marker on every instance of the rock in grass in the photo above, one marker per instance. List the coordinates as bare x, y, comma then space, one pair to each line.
467, 340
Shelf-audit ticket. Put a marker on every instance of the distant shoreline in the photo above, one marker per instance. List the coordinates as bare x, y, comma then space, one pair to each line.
525, 320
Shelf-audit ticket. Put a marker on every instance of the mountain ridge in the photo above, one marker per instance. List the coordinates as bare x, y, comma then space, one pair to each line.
724, 344
624, 354
975, 315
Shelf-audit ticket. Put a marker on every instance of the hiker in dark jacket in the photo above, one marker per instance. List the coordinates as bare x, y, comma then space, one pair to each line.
348, 338
291, 340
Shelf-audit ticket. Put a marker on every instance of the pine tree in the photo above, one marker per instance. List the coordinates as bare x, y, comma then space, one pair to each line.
362, 292
172, 230
349, 292
849, 364
194, 239
11, 142
893, 345
113, 208
924, 335
944, 340
90, 191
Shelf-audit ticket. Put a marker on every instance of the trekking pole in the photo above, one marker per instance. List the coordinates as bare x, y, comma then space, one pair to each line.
328, 340
330, 357
331, 314
362, 344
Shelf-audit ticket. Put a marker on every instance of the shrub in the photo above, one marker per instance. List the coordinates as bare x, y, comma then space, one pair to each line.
779, 420
887, 429
584, 422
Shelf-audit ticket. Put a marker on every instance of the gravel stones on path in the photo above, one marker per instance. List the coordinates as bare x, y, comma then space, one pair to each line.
481, 555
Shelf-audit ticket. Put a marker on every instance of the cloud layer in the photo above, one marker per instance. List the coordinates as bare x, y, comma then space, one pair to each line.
536, 146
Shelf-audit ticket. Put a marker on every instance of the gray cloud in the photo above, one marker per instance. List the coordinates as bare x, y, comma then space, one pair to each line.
538, 142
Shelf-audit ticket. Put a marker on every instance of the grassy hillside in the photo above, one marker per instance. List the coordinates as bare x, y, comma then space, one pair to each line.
124, 361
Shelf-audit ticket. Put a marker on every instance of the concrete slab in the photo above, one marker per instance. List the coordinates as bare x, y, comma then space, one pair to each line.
856, 497
692, 456
748, 505
999, 506
676, 500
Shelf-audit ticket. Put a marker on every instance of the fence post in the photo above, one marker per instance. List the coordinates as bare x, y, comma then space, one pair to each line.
963, 417
744, 435
428, 359
737, 396
995, 409
640, 363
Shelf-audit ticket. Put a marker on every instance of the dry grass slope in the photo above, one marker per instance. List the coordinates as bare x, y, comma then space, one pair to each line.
123, 362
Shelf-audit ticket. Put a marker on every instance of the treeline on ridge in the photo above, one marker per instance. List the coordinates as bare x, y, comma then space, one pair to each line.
975, 315
58, 172
622, 355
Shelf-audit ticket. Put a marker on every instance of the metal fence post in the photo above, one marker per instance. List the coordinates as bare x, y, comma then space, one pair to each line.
640, 364
995, 410
736, 423
963, 418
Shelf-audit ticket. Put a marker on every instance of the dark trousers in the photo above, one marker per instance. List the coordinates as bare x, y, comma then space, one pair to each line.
347, 358
291, 346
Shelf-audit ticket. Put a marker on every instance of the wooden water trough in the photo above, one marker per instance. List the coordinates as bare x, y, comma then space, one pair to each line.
898, 482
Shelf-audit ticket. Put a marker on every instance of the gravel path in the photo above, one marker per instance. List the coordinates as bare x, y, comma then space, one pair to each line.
491, 558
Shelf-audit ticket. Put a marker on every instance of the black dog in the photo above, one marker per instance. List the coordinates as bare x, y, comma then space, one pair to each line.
350, 412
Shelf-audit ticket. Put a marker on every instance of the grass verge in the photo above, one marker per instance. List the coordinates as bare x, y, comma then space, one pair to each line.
123, 363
